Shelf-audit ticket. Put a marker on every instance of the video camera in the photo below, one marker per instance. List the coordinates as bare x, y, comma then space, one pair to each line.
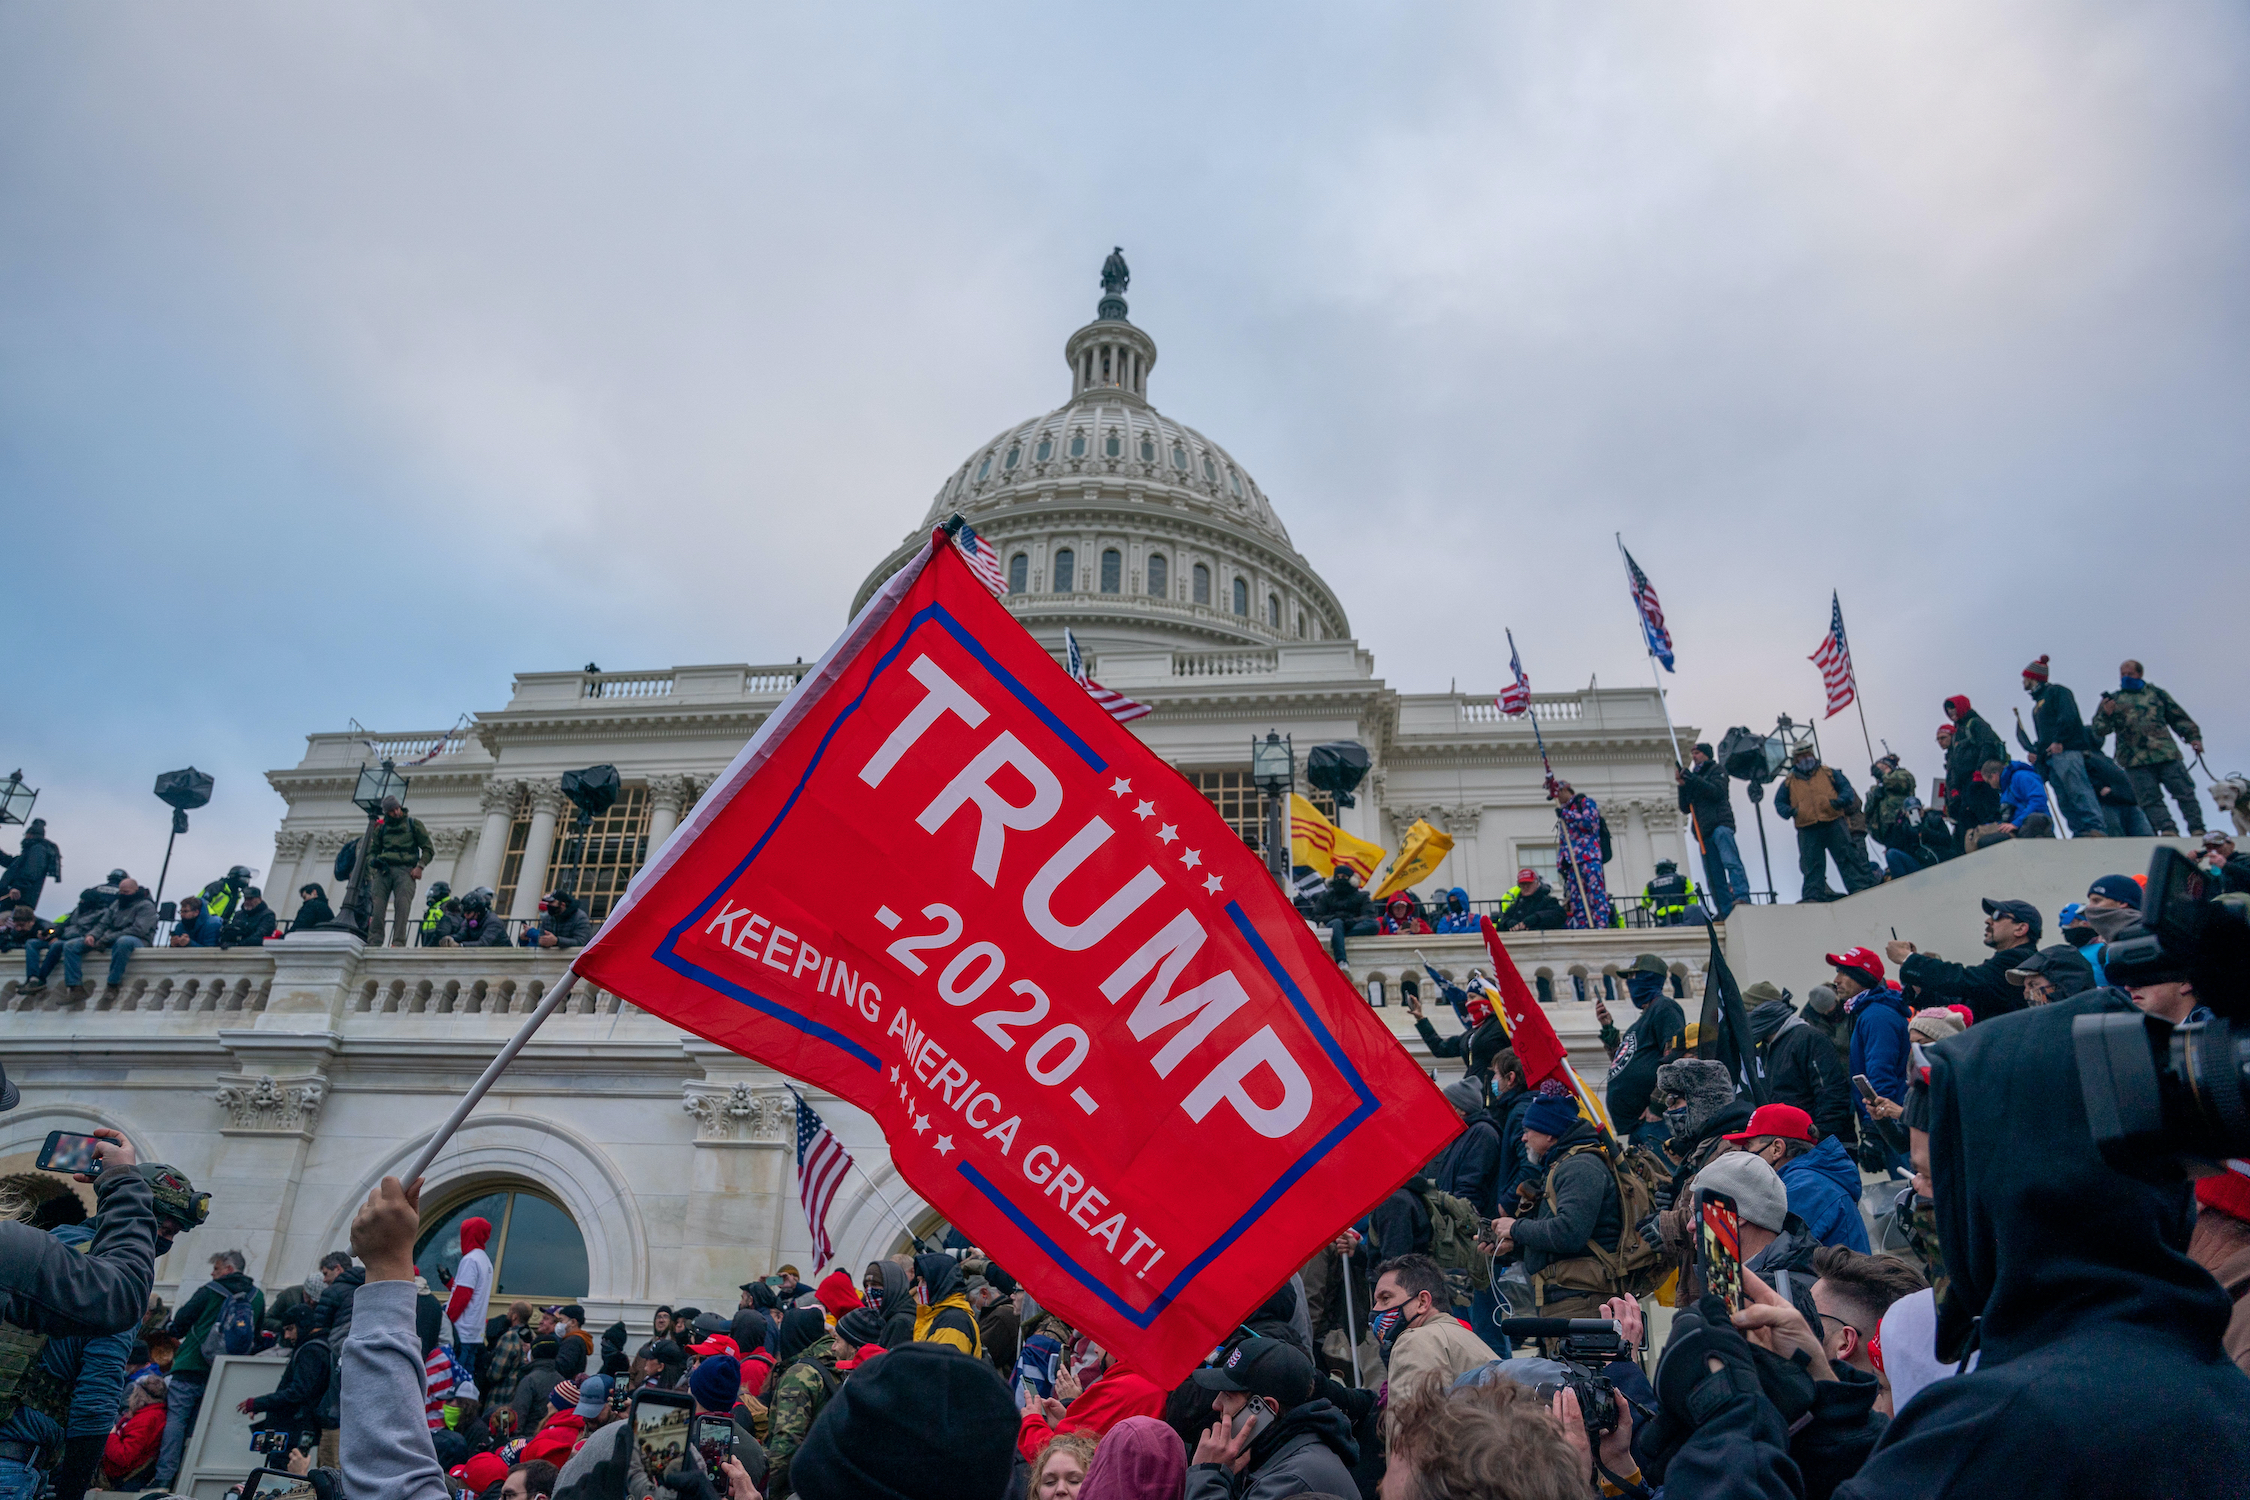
2165, 1102
1589, 1345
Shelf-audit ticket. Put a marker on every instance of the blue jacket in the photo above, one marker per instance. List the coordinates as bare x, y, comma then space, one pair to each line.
1823, 1189
1457, 916
2022, 793
1879, 1044
202, 932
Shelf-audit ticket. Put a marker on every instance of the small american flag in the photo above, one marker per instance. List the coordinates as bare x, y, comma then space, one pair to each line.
982, 560
822, 1162
1516, 697
1119, 707
1652, 613
1834, 658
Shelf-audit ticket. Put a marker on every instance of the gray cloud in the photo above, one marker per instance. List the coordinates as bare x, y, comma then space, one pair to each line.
562, 332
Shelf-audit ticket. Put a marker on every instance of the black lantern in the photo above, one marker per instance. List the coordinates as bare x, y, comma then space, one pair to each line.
1337, 768
182, 791
375, 783
16, 799
1273, 766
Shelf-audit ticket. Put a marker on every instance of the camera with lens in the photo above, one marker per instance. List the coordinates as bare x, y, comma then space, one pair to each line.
1587, 1347
2167, 1100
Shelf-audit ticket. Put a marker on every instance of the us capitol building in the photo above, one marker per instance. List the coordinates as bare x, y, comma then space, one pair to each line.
626, 1163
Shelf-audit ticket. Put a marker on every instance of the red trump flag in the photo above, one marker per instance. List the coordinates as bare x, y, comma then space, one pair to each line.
944, 884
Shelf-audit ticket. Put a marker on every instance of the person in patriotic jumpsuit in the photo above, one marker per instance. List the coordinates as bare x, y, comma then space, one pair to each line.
1581, 829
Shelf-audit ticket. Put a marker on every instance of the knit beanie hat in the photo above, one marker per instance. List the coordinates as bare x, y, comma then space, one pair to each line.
1000, 1280
1550, 1116
862, 1325
2037, 670
715, 1382
924, 1422
1462, 1095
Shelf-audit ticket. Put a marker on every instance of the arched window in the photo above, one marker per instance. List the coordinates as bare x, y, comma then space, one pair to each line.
1112, 570
1202, 584
1113, 444
1300, 625
1066, 569
1078, 445
1210, 470
1019, 573
1159, 576
1273, 611
1179, 458
1148, 450
537, 1252
1046, 448
1234, 483
1241, 598
985, 467
1015, 452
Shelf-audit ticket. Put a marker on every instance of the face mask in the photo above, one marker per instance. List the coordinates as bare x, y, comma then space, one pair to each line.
2132, 684
1675, 1121
1384, 1323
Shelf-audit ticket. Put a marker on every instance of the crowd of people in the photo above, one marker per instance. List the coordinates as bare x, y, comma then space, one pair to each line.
119, 917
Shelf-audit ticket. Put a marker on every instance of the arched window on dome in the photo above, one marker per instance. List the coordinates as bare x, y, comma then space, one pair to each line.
1179, 458
1113, 569
984, 468
1202, 584
1078, 445
1273, 611
1046, 448
1159, 576
1113, 445
1066, 570
1234, 483
1148, 450
537, 1251
1210, 469
1019, 573
1242, 598
1015, 452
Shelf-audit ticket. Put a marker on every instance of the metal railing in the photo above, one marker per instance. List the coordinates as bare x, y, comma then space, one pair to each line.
1224, 663
627, 685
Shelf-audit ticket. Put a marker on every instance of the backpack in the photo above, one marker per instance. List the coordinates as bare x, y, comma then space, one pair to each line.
1601, 828
1635, 1268
235, 1329
1453, 1242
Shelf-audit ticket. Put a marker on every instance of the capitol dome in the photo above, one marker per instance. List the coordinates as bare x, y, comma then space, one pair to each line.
1134, 530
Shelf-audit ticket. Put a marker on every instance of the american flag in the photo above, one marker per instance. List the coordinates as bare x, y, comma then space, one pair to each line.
1834, 658
822, 1162
1119, 707
1652, 613
1516, 697
982, 560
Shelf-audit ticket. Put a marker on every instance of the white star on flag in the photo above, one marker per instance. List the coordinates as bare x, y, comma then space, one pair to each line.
1211, 885
1167, 833
1191, 857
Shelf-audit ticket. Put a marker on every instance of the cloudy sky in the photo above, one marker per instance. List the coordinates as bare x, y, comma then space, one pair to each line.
355, 357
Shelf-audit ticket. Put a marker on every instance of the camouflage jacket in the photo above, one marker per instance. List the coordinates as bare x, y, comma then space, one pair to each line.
1892, 795
2143, 721
799, 1393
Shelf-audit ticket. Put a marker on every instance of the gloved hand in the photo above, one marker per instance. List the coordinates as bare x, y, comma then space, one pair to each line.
1650, 1233
687, 1480
1664, 1197
1707, 1364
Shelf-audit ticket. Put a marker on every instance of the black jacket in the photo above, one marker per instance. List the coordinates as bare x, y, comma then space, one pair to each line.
312, 914
1509, 1111
1470, 1167
334, 1320
2112, 786
1537, 910
1802, 1069
1479, 1046
2074, 1282
1657, 1036
1342, 899
1705, 793
2055, 720
48, 1287
247, 929
1587, 1208
37, 862
1975, 741
294, 1405
1401, 1222
1984, 988
1309, 1450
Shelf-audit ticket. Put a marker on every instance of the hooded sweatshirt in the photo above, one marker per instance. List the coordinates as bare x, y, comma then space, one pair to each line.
1140, 1457
945, 1316
1457, 917
2073, 1282
472, 1284
1309, 1451
1823, 1189
1119, 1394
1879, 1043
898, 1305
1654, 1039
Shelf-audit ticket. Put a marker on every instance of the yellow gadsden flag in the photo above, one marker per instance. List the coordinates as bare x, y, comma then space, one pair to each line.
1418, 857
1315, 841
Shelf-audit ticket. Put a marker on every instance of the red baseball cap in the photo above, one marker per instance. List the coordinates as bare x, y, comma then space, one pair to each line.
1863, 959
717, 1343
1785, 1120
482, 1472
1527, 877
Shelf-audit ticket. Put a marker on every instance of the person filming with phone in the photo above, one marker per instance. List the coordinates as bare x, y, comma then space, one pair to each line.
1273, 1436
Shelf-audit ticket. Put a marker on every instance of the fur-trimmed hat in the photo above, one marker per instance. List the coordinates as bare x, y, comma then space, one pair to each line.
1705, 1085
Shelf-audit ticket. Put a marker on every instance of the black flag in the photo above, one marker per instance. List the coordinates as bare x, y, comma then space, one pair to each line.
1724, 1032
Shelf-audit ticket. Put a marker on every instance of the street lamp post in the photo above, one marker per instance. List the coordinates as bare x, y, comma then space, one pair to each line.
16, 799
181, 791
1273, 766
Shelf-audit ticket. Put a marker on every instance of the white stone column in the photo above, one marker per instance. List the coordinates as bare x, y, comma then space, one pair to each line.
1643, 866
498, 803
666, 796
281, 881
448, 845
531, 878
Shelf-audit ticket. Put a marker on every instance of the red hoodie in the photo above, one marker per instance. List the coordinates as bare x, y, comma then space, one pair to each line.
1118, 1394
837, 1293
